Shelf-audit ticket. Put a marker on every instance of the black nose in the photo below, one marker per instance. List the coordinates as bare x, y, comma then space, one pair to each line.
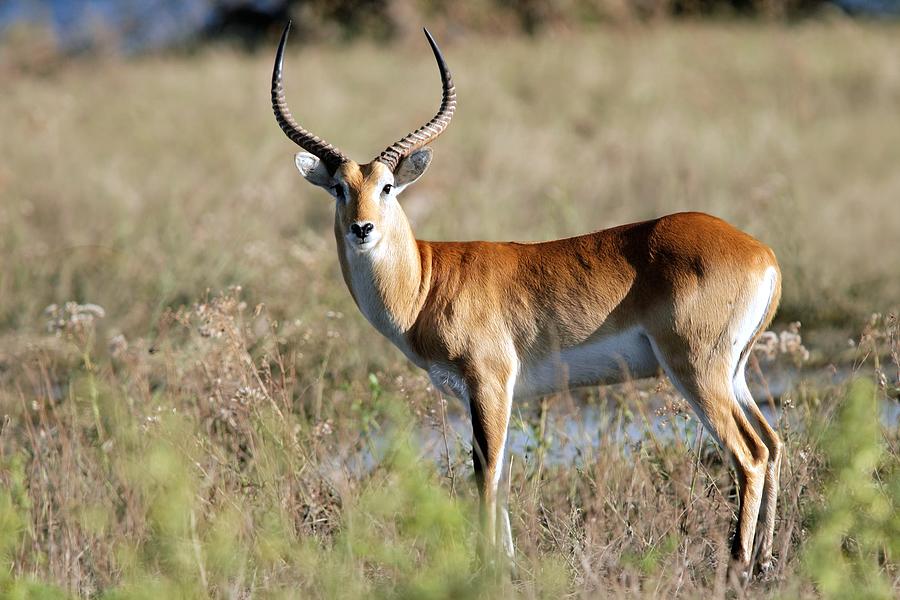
361, 230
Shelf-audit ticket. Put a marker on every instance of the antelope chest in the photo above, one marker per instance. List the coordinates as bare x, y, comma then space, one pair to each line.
370, 299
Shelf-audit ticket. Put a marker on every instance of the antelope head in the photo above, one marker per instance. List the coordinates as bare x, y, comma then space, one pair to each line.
365, 194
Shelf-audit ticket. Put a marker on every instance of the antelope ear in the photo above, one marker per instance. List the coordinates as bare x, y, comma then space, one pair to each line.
412, 167
313, 170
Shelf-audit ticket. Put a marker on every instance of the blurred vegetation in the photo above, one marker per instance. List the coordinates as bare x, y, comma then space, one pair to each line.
854, 550
402, 17
135, 26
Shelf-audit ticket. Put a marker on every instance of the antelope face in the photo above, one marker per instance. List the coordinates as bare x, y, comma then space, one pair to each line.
364, 203
365, 195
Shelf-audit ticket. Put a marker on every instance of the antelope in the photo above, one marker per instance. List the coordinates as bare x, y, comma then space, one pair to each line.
493, 322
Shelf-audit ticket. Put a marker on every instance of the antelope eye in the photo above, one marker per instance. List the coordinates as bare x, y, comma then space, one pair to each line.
338, 191
387, 189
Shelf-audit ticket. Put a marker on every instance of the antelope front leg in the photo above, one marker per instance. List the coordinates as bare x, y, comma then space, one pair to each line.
490, 384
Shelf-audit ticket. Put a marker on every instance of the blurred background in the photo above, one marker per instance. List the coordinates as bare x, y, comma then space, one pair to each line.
142, 25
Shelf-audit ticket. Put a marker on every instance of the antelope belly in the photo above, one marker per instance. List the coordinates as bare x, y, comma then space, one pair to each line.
611, 359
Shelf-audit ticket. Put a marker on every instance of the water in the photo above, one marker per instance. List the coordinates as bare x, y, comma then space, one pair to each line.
629, 415
576, 425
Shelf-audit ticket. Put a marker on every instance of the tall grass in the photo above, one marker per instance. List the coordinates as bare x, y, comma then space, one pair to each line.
856, 541
213, 466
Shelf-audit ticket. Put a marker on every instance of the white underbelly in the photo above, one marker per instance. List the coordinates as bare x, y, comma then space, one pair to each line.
611, 359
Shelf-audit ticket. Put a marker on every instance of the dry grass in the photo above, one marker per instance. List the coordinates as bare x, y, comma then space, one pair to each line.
217, 460
212, 447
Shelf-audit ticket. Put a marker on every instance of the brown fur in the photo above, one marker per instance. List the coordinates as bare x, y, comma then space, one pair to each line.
487, 311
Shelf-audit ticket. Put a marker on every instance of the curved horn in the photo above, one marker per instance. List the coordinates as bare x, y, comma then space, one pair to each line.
433, 128
331, 156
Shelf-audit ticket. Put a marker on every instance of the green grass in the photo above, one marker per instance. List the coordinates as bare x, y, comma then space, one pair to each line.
200, 440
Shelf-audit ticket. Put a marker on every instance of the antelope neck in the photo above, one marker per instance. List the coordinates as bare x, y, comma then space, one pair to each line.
387, 282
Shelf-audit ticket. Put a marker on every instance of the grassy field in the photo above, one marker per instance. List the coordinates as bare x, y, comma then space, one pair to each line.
228, 425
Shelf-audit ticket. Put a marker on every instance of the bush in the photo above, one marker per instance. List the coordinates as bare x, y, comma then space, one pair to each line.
856, 532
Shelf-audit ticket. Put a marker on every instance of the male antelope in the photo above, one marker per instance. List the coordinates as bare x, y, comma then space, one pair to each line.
492, 322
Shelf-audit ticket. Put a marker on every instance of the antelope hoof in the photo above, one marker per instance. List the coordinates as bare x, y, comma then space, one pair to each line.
766, 568
739, 572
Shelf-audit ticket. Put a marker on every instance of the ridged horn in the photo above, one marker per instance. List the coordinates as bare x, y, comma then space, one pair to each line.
427, 133
331, 156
